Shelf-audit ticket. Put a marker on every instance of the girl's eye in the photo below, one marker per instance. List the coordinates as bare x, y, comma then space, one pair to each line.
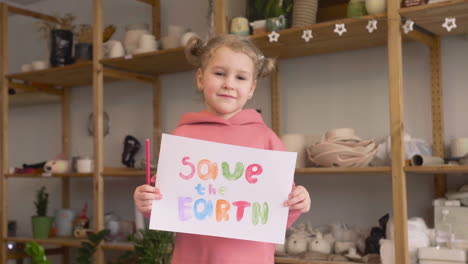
241, 78
219, 73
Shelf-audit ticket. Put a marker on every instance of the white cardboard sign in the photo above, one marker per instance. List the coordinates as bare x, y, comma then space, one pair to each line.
222, 190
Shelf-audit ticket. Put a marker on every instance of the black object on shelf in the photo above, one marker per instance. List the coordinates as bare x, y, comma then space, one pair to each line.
377, 233
61, 47
131, 147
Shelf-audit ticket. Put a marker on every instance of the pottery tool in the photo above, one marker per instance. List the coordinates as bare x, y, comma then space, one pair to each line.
148, 163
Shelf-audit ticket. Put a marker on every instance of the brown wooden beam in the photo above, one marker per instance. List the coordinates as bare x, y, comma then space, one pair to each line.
29, 13
34, 88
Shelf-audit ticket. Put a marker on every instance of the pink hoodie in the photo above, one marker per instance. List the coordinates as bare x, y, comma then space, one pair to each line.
244, 129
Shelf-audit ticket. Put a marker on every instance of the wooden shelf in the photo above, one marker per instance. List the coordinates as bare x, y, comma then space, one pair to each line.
78, 74
125, 246
152, 63
60, 241
432, 16
290, 43
365, 170
437, 169
124, 172
32, 98
288, 260
31, 175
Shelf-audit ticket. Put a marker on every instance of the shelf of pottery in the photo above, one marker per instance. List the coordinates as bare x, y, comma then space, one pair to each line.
337, 151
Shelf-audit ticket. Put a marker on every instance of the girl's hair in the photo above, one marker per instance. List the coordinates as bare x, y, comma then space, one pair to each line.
198, 52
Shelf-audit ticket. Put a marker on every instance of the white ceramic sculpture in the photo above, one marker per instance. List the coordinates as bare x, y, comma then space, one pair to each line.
319, 244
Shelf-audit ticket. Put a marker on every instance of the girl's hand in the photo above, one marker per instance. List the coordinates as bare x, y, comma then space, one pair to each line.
299, 199
144, 196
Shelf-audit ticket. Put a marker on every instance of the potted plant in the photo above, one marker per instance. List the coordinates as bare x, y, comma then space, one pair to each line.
37, 253
41, 223
154, 247
60, 34
87, 249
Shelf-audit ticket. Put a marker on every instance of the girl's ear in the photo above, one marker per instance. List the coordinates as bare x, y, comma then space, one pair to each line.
252, 90
199, 79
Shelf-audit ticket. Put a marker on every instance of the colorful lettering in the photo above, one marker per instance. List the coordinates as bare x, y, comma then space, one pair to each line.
249, 172
257, 213
222, 190
183, 214
236, 174
241, 205
222, 209
192, 167
212, 170
211, 190
200, 189
207, 209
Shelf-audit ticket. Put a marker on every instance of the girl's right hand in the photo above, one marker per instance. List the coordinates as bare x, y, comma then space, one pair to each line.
144, 196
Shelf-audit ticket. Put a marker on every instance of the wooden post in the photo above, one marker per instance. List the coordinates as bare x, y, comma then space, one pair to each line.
220, 16
157, 130
66, 155
276, 102
400, 213
3, 131
156, 18
440, 181
98, 102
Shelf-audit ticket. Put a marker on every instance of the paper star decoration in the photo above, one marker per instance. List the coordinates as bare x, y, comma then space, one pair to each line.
340, 29
450, 23
307, 35
408, 26
273, 36
371, 25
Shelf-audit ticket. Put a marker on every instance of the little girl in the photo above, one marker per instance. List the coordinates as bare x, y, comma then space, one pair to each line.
228, 69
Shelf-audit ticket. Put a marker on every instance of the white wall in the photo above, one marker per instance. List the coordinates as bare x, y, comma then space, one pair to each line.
347, 89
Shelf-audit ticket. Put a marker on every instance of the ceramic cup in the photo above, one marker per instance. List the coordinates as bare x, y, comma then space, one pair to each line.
40, 65
459, 147
116, 49
170, 42
240, 26
84, 165
175, 30
64, 222
147, 43
26, 67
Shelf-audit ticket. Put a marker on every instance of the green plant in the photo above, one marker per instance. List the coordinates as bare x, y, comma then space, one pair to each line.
263, 9
36, 252
87, 249
155, 247
42, 201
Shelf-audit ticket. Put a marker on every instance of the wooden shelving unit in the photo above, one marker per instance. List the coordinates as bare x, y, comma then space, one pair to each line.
445, 169
365, 170
66, 242
54, 83
432, 16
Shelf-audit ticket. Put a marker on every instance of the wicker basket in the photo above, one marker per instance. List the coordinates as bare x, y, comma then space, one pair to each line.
304, 12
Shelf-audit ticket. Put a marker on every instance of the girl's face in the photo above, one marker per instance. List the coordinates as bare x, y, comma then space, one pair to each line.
227, 82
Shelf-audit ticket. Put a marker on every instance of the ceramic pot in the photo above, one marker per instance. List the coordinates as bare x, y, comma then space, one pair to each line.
240, 26
64, 222
41, 226
84, 165
83, 51
132, 36
356, 8
375, 6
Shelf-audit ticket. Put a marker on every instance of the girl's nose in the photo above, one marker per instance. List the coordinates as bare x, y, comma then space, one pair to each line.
229, 83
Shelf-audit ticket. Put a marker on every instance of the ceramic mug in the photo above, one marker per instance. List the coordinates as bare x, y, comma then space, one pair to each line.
459, 147
39, 65
84, 165
116, 49
26, 67
64, 222
240, 26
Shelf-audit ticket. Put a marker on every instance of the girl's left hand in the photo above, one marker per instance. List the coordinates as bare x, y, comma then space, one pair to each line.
299, 199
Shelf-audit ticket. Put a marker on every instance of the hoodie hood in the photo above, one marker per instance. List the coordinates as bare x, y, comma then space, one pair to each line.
244, 117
